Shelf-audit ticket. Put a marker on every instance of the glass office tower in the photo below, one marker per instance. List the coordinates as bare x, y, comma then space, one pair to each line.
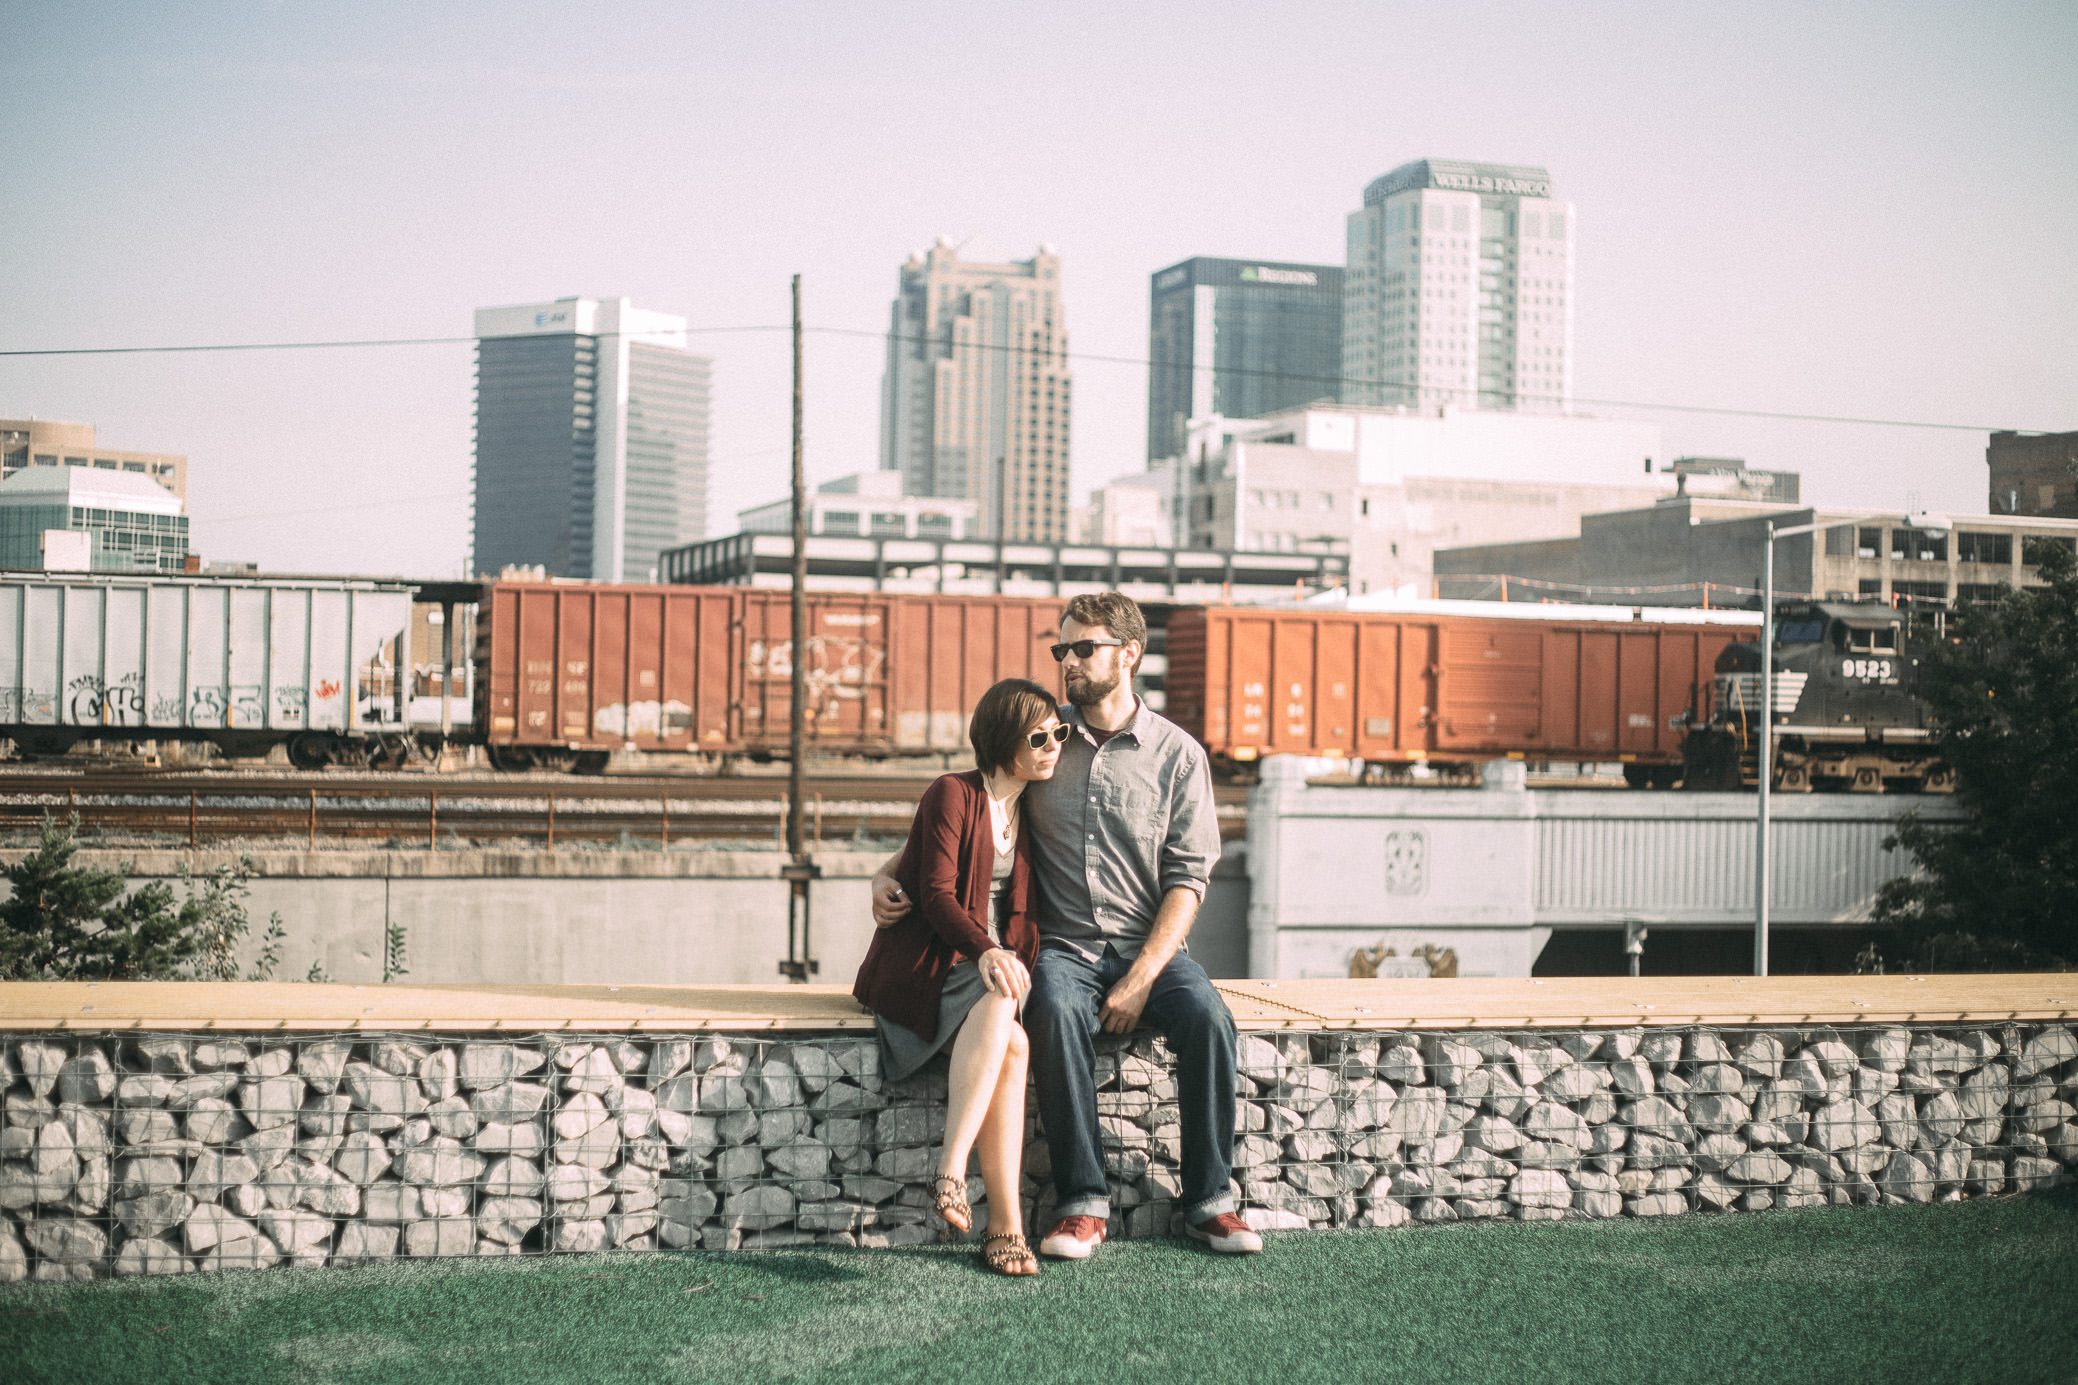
1239, 338
591, 439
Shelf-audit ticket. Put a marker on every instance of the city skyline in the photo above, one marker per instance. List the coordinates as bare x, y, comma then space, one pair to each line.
409, 167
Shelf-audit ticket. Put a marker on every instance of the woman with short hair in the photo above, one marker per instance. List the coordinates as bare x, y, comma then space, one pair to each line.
955, 970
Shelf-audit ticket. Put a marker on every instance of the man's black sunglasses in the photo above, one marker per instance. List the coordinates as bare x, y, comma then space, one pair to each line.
1084, 649
1038, 739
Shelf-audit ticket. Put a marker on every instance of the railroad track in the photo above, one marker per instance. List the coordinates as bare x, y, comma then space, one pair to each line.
315, 810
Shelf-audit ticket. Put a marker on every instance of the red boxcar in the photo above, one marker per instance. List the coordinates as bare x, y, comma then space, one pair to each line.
568, 672
1432, 681
887, 673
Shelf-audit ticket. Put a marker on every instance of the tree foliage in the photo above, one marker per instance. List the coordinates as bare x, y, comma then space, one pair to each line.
1999, 891
66, 922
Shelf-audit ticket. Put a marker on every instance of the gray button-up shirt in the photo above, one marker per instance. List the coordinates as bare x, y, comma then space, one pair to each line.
1116, 828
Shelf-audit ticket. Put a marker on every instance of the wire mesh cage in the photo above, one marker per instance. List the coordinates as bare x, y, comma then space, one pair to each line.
146, 1153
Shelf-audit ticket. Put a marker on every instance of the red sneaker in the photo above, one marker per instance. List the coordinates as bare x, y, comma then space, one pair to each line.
1226, 1234
1076, 1238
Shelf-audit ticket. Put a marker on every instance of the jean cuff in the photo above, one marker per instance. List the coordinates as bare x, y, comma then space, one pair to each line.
1098, 1207
1209, 1208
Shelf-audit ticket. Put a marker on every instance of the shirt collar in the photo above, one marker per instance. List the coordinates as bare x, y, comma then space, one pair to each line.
1074, 717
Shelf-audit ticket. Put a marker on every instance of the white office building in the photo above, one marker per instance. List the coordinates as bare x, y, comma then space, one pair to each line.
868, 504
591, 439
1389, 486
1459, 290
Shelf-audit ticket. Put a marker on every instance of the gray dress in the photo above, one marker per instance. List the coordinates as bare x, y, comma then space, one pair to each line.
902, 1050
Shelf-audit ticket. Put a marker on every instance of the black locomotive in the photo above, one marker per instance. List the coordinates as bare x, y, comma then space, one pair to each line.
1846, 712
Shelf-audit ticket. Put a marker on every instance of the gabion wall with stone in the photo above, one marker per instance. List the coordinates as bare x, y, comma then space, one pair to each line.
160, 1153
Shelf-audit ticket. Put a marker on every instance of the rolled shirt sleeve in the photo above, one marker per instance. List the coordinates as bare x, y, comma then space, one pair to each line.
1191, 847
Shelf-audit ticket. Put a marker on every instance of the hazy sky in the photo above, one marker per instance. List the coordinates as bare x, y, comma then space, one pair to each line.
1860, 210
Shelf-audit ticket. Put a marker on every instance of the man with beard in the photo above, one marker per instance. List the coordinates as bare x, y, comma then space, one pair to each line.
1124, 838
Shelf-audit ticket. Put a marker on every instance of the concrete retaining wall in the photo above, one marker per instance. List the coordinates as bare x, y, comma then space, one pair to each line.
154, 1154
589, 917
1489, 872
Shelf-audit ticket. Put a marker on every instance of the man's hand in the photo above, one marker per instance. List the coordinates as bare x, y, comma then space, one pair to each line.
1125, 1001
890, 905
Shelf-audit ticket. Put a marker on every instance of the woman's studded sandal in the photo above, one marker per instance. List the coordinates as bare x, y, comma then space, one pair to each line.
949, 1200
1007, 1252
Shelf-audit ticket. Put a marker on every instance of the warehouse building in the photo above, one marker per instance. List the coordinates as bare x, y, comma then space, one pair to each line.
1689, 551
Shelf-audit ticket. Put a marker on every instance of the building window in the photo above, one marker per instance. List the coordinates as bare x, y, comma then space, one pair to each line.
1869, 543
1983, 548
840, 522
1912, 546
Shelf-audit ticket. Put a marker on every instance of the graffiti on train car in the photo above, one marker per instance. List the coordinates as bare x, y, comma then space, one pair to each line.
94, 702
839, 668
288, 705
663, 720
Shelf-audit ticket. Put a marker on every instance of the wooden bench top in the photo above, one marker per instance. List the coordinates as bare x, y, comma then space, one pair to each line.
1476, 1003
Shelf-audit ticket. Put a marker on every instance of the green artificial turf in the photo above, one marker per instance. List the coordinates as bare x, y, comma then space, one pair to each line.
1978, 1291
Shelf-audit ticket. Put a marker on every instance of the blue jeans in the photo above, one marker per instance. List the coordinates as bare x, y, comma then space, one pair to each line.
1061, 1019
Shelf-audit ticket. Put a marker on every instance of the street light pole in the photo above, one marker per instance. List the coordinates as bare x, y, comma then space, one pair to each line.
1766, 762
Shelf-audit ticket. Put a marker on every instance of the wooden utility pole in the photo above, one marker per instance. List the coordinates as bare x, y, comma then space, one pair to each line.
799, 870
797, 739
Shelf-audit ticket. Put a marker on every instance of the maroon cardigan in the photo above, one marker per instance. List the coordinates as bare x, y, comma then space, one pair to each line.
945, 870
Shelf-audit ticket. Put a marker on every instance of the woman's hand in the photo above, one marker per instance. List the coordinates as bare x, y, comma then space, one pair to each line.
890, 905
1003, 972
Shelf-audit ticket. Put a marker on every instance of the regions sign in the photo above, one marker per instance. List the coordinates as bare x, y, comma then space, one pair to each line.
1264, 274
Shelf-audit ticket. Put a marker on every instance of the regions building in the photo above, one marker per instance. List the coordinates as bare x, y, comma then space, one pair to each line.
26, 442
975, 401
78, 519
591, 439
2032, 474
1389, 486
1708, 551
1241, 339
1460, 289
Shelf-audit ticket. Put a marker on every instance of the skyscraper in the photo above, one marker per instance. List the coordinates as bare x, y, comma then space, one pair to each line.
591, 438
975, 401
1460, 289
1241, 339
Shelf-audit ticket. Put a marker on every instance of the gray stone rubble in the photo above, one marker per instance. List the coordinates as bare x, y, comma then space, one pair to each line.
161, 1154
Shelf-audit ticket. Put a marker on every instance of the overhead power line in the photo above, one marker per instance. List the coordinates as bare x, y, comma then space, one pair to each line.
1334, 381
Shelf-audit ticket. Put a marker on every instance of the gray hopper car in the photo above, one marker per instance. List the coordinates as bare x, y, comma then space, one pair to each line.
245, 665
